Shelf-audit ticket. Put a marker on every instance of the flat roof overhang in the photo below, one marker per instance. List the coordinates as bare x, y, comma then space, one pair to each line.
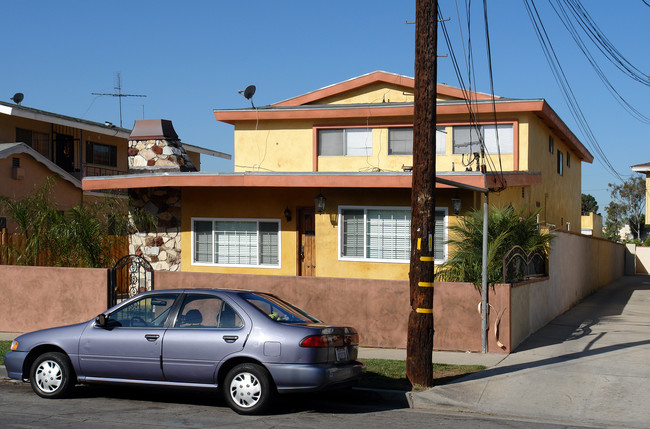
466, 180
381, 111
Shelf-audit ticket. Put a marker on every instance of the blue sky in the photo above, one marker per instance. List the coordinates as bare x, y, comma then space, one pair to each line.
192, 57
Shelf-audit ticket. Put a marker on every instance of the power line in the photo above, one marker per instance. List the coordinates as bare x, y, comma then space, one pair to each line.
563, 83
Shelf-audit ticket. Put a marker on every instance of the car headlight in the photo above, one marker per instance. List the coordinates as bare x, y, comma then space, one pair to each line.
14, 345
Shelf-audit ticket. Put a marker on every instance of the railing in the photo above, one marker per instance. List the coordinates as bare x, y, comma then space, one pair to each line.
519, 265
92, 170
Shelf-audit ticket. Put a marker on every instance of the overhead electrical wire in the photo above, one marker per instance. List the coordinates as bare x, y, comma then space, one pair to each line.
563, 82
564, 17
601, 41
469, 98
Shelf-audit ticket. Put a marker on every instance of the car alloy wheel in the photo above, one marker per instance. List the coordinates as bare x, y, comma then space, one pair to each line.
247, 388
50, 375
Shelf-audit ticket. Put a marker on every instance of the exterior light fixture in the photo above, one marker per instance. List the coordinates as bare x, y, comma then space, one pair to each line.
319, 202
287, 214
456, 204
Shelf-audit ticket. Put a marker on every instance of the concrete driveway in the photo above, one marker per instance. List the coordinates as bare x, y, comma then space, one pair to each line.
591, 365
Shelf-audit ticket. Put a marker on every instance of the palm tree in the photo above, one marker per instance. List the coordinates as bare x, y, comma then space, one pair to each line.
507, 228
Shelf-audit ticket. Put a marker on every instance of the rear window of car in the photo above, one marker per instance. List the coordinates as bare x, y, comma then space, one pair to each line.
278, 310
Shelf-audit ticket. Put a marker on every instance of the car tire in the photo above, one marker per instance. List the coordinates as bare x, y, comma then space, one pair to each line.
247, 388
51, 375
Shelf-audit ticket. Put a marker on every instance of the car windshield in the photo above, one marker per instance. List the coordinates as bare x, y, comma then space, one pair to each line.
276, 309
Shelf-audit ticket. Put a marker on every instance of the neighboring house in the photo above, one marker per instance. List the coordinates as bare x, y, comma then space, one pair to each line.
592, 224
322, 182
70, 147
22, 167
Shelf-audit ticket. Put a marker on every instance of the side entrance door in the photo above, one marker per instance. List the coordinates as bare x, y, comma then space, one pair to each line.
306, 241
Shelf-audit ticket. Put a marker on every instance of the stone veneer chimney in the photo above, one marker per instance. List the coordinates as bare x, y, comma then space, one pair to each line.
154, 146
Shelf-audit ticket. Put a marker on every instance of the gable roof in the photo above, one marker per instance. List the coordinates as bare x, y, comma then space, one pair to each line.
9, 149
371, 78
306, 107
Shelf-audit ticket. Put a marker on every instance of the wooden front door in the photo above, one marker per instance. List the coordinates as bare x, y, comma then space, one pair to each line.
306, 242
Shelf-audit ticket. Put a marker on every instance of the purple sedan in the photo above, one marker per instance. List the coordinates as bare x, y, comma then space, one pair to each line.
251, 345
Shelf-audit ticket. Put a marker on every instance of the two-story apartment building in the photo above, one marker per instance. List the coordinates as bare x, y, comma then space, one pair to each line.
322, 181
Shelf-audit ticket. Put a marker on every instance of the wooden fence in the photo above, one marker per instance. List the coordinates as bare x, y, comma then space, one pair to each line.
13, 245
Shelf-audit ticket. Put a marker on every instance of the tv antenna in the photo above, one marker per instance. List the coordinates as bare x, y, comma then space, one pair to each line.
119, 95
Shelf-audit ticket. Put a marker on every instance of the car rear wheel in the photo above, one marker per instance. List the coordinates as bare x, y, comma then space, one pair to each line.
51, 375
247, 388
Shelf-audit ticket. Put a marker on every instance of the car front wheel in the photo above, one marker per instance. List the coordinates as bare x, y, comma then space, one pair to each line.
247, 388
51, 375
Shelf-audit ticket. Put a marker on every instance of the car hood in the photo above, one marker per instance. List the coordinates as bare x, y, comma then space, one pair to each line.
66, 337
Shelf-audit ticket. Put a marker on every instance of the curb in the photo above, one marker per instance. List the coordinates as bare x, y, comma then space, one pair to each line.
397, 397
3, 373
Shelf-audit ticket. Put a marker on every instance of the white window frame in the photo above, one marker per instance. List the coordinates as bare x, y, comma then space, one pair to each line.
441, 141
257, 220
367, 148
489, 133
365, 209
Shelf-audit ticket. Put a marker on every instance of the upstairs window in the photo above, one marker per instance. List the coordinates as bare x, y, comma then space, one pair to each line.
400, 141
551, 144
40, 142
345, 142
101, 154
497, 139
560, 163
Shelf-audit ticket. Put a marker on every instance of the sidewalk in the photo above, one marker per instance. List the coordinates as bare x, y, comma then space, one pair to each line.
590, 365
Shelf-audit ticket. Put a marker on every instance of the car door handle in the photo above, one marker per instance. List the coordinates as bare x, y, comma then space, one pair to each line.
152, 337
230, 338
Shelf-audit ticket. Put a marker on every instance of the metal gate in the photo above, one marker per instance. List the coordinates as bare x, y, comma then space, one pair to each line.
131, 275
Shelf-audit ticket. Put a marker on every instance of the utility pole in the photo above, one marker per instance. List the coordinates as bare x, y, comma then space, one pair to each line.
419, 349
119, 95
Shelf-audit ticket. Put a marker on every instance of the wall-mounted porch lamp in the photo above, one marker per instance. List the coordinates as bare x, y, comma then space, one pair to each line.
287, 214
456, 205
319, 202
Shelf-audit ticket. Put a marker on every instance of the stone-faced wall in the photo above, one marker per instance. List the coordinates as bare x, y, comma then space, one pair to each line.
158, 155
162, 246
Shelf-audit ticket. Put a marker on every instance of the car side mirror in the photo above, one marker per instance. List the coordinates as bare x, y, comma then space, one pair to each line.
101, 320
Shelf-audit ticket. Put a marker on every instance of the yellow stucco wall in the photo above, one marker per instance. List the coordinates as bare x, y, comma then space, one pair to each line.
271, 203
289, 146
558, 195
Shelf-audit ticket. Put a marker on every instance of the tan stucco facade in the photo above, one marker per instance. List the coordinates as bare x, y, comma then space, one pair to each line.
33, 175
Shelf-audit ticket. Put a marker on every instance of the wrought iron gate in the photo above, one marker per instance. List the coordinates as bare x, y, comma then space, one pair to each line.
131, 275
519, 265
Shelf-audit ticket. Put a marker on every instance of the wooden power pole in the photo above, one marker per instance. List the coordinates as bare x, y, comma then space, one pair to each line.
419, 348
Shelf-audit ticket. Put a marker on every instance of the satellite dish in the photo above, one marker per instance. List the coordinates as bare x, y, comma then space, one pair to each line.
248, 93
18, 97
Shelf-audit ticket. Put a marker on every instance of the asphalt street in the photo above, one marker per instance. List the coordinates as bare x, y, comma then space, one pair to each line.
127, 407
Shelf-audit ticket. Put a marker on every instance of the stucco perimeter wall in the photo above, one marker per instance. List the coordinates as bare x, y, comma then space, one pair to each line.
578, 266
642, 260
44, 297
378, 309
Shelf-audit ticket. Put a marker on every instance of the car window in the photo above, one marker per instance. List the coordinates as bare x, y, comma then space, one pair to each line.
149, 311
276, 309
205, 311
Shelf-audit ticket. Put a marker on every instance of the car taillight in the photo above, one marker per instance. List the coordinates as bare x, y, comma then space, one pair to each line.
315, 341
330, 340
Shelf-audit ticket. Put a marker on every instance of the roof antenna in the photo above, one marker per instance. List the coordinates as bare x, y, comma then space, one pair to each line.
248, 93
18, 97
